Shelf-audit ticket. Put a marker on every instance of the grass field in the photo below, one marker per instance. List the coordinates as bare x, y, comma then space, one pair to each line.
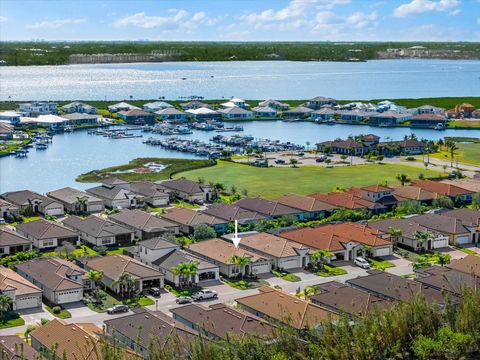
466, 153
275, 182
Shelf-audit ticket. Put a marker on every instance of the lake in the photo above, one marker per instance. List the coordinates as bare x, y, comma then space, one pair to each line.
377, 79
75, 153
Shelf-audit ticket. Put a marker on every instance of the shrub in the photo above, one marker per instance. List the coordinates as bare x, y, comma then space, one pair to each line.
56, 310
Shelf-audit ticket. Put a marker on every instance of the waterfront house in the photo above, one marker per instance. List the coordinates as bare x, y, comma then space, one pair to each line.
454, 192
99, 231
323, 114
11, 117
12, 347
219, 321
278, 306
409, 231
114, 197
447, 280
121, 106
145, 225
345, 147
407, 147
135, 331
219, 252
343, 299
267, 208
78, 107
203, 113
31, 202
34, 109
388, 118
172, 114
187, 219
312, 208
264, 112
429, 121
236, 112
81, 119
156, 106
395, 288
461, 111
300, 112
187, 190
274, 104
195, 104
370, 140
77, 201
60, 340
23, 293
46, 234
6, 131
137, 117
115, 266
12, 242
428, 109
320, 101
52, 122
61, 281
8, 211
231, 212
354, 116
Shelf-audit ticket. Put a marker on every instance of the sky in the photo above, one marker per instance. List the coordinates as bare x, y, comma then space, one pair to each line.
241, 20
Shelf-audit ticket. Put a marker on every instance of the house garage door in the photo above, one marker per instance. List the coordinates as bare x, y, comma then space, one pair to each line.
261, 268
463, 240
382, 251
290, 263
440, 243
28, 302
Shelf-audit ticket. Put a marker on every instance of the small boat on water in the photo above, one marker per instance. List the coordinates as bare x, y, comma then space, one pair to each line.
41, 146
68, 129
229, 129
21, 153
439, 126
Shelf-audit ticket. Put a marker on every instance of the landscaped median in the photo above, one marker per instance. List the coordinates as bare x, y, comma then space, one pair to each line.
286, 276
58, 312
329, 270
244, 284
380, 264
11, 319
108, 300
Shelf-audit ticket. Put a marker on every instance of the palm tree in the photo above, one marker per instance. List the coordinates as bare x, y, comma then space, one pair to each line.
81, 204
5, 305
422, 237
126, 284
366, 249
320, 258
308, 144
394, 233
28, 330
95, 276
452, 150
239, 260
443, 259
403, 178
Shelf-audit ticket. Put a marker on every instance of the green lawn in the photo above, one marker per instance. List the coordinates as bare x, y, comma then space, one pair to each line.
287, 277
82, 250
64, 314
186, 292
109, 300
380, 264
185, 204
244, 284
118, 250
274, 182
331, 271
10, 320
467, 153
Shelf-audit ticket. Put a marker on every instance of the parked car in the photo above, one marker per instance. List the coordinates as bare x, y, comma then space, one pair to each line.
183, 300
361, 262
279, 162
205, 294
115, 309
154, 291
321, 158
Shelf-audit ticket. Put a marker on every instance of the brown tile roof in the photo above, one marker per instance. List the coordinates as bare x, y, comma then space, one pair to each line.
447, 279
220, 320
232, 212
440, 223
376, 188
135, 112
305, 203
286, 308
343, 298
95, 226
24, 197
113, 266
221, 250
414, 193
468, 217
343, 144
346, 199
441, 188
316, 239
45, 229
11, 238
9, 279
190, 217
469, 184
266, 207
408, 227
12, 347
70, 195
76, 341
183, 185
272, 245
470, 264
141, 220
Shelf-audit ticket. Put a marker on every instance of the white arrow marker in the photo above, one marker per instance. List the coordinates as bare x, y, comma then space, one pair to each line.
236, 239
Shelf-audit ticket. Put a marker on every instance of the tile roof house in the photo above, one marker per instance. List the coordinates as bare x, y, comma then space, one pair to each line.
121, 106
236, 112
156, 106
298, 112
318, 101
447, 279
345, 240
61, 281
408, 147
415, 193
32, 202
277, 105
76, 201
8, 210
115, 197
78, 107
470, 264
428, 120
188, 219
265, 111
194, 104
219, 320
187, 190
146, 191
23, 293
145, 225
452, 191
114, 266
135, 331
147, 251
47, 234
219, 252
137, 117
231, 212
312, 208
273, 304
323, 114
70, 341
393, 287
468, 217
171, 114
468, 184
269, 209
12, 347
344, 299
11, 242
98, 231
346, 147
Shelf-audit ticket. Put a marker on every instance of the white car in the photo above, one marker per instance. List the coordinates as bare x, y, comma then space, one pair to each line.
361, 262
205, 294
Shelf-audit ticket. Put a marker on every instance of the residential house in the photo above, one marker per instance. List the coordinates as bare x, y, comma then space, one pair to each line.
121, 106
428, 109
407, 147
76, 201
461, 111
61, 281
414, 193
343, 299
70, 341
447, 280
231, 212
345, 240
219, 321
78, 107
312, 208
8, 210
52, 122
135, 331
348, 200
429, 121
6, 131
23, 293
265, 111
454, 192
388, 118
10, 117
157, 106
380, 195
46, 234
274, 104
396, 288
409, 231
285, 254
149, 192
147, 251
115, 266
114, 197
194, 104
31, 202
203, 113
11, 242
188, 190
238, 102
324, 114
354, 116
458, 232
370, 140
220, 252
81, 119
171, 113
36, 108
320, 101
472, 185
469, 218
267, 208
344, 147
236, 112
470, 264
300, 112
275, 305
99, 232
12, 347
189, 219
145, 225
137, 117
